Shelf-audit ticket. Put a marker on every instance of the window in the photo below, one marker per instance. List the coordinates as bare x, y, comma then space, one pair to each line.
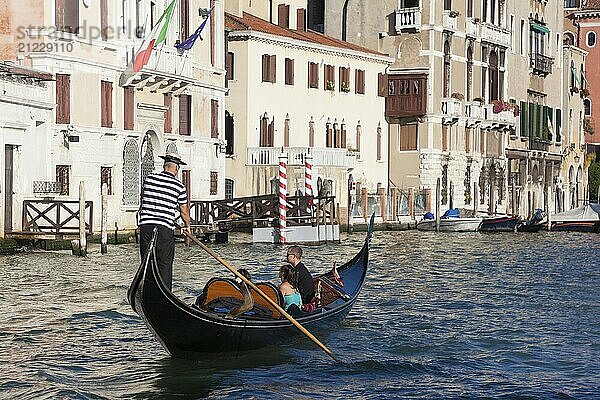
522, 38
228, 188
214, 180
313, 75
329, 73
62, 178
336, 136
469, 74
229, 64
229, 133
446, 72
267, 132
185, 114
360, 81
587, 106
128, 107
571, 3
269, 64
301, 19
106, 178
214, 119
131, 173
469, 8
382, 84
408, 137
358, 131
289, 71
343, 135
104, 19
408, 3
328, 135
494, 77
447, 5
106, 104
63, 99
67, 16
558, 129
311, 133
344, 79
591, 39
286, 131
168, 103
213, 36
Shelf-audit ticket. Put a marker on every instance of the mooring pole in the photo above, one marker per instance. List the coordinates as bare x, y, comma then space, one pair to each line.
82, 237
283, 159
104, 236
437, 205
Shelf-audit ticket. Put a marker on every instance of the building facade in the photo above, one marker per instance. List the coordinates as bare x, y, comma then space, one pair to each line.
301, 93
108, 124
471, 98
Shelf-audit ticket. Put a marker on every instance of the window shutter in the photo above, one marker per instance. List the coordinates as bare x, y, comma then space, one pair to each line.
63, 99
229, 65
343, 137
272, 69
271, 138
184, 114
185, 17
106, 104
214, 120
212, 36
128, 107
283, 12
382, 84
265, 67
558, 124
59, 15
168, 102
301, 19
104, 19
71, 16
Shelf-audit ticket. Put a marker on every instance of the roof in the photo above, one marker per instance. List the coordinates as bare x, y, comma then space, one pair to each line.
8, 67
251, 22
591, 5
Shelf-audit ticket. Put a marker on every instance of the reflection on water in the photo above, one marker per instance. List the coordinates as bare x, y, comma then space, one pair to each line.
441, 316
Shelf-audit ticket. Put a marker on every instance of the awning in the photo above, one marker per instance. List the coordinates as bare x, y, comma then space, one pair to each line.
539, 28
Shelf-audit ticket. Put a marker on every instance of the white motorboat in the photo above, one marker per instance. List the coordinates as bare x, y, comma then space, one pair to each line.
451, 224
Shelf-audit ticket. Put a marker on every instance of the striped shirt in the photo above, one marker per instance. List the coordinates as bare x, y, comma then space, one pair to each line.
161, 196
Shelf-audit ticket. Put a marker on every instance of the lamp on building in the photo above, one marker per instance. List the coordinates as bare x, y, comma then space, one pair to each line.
204, 12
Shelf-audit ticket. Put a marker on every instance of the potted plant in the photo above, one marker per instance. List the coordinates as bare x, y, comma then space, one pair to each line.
584, 92
453, 14
330, 85
574, 89
457, 96
587, 126
476, 20
345, 87
480, 100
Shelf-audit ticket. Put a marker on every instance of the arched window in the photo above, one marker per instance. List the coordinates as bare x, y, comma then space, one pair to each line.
494, 81
336, 135
379, 142
131, 173
229, 133
572, 75
469, 74
446, 72
171, 148
343, 134
147, 155
569, 39
265, 128
328, 135
587, 107
591, 39
358, 132
286, 131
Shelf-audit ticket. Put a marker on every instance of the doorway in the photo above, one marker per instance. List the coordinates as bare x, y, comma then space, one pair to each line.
8, 187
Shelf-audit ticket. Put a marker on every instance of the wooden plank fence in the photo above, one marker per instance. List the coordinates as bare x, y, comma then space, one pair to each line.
56, 216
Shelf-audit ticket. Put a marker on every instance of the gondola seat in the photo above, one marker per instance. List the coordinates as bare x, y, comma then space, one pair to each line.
223, 288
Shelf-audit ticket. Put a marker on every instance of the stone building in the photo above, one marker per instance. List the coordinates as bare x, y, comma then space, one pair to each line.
472, 96
107, 124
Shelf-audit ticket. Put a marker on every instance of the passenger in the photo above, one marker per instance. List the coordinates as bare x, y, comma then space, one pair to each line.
305, 280
289, 282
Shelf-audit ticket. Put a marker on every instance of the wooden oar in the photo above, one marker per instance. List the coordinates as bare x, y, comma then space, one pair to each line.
261, 293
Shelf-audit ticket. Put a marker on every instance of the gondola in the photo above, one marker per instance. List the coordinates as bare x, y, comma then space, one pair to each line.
500, 223
197, 330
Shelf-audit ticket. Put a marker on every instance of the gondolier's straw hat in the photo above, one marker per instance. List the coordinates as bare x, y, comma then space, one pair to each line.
174, 157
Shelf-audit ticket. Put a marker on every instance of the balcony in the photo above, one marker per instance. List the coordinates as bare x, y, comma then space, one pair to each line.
541, 64
501, 114
325, 157
451, 110
474, 110
406, 96
472, 28
495, 34
167, 70
408, 19
448, 21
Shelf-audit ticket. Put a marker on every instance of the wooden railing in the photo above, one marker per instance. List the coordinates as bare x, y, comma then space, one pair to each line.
55, 216
263, 210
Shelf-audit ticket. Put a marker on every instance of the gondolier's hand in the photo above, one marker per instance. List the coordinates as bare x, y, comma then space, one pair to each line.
186, 231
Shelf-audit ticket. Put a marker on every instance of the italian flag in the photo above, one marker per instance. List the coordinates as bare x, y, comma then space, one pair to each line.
156, 37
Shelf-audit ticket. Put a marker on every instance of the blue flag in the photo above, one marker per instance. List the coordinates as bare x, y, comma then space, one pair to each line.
189, 42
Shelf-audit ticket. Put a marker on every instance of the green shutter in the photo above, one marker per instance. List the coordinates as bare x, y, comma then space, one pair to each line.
558, 124
523, 117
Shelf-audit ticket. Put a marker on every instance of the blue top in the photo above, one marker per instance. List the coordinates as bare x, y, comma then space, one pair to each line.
293, 298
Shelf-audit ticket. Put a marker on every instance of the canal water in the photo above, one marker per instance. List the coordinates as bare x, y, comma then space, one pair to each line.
441, 316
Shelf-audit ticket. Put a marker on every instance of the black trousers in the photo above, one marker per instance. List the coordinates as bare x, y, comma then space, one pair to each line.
165, 250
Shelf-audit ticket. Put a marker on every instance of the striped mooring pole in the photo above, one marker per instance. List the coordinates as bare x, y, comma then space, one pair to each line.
308, 189
283, 160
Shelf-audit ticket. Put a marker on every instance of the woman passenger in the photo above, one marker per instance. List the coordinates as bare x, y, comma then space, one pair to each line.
289, 281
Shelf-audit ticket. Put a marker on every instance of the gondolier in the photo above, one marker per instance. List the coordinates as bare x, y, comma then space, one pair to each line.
162, 195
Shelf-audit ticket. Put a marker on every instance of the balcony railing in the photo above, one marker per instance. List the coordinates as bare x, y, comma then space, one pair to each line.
474, 110
171, 62
408, 18
451, 107
330, 157
495, 34
506, 117
472, 27
449, 22
541, 64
